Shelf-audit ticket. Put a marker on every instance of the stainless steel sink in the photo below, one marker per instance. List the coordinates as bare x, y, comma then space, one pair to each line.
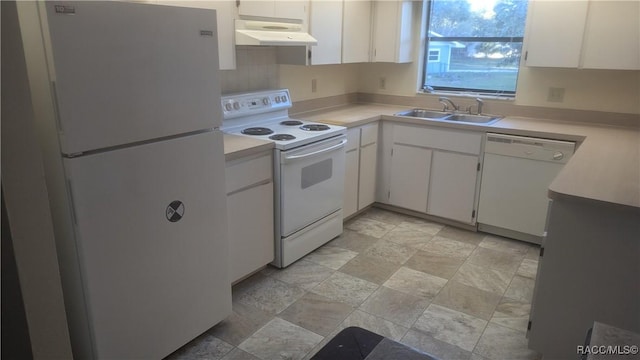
423, 113
468, 118
447, 116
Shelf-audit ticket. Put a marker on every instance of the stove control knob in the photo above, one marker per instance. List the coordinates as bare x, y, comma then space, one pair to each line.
284, 98
265, 101
236, 106
278, 99
227, 106
558, 156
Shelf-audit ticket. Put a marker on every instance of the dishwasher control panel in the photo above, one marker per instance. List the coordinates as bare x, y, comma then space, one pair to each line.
530, 148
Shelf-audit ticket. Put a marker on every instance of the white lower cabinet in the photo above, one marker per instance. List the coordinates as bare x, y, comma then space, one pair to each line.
361, 168
452, 191
433, 170
409, 181
250, 214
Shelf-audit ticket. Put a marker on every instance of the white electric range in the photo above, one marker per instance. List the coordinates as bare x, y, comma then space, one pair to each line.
309, 165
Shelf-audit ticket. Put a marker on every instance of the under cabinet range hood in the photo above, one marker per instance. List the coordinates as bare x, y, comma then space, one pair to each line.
269, 33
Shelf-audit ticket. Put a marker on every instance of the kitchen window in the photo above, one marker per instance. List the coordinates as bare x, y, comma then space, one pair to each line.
478, 45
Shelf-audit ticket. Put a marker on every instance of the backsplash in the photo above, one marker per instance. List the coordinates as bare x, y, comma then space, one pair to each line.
256, 69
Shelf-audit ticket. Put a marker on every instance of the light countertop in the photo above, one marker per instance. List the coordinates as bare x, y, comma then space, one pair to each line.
605, 167
236, 146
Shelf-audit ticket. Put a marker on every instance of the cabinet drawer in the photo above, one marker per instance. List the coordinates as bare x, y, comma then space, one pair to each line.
245, 172
353, 139
451, 140
369, 134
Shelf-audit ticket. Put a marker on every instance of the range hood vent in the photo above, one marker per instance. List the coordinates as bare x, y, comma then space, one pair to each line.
268, 33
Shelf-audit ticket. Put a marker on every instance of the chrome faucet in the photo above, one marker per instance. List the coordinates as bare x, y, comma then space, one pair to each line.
446, 101
479, 104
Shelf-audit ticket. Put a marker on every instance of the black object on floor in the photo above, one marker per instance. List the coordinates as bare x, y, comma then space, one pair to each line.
354, 343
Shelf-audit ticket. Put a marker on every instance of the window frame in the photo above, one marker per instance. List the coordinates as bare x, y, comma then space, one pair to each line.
444, 89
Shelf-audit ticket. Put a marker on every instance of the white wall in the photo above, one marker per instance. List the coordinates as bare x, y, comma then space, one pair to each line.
330, 80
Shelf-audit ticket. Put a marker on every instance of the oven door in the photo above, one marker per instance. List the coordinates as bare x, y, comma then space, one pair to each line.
311, 183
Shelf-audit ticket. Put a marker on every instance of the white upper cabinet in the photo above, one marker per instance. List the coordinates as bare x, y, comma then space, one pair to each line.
275, 8
612, 35
595, 34
392, 35
356, 31
326, 26
225, 10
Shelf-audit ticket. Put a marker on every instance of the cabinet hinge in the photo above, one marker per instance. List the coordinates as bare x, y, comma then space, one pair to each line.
541, 251
391, 151
388, 194
526, 54
309, 54
529, 325
478, 168
237, 3
473, 214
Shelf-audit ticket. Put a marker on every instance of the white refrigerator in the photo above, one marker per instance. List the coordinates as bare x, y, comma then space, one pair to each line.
137, 98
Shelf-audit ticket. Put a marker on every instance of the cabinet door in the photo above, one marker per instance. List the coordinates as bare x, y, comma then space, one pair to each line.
350, 204
367, 182
356, 31
326, 27
409, 180
612, 36
392, 35
554, 33
453, 186
225, 10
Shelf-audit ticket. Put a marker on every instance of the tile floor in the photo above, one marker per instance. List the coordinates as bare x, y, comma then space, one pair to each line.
452, 293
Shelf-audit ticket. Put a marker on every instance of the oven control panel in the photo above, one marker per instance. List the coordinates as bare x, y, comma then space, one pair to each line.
246, 104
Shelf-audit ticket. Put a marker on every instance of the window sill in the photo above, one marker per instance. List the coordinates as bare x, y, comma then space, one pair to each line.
506, 97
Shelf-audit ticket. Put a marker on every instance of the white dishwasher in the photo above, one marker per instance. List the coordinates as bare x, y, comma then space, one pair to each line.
516, 175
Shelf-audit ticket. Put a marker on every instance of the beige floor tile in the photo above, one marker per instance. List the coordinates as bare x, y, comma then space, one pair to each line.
451, 326
391, 252
243, 321
533, 253
280, 339
369, 227
203, 347
521, 288
468, 299
443, 246
239, 354
408, 237
499, 243
331, 257
528, 268
395, 306
375, 324
433, 346
416, 283
316, 313
466, 236
483, 278
385, 216
494, 259
303, 274
346, 288
353, 240
500, 343
444, 266
426, 226
271, 295
513, 314
369, 268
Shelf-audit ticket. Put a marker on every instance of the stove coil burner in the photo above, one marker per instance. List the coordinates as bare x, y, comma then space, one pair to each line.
314, 127
282, 137
291, 122
257, 131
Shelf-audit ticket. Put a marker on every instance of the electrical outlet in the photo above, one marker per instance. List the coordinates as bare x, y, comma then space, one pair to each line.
555, 94
383, 83
314, 85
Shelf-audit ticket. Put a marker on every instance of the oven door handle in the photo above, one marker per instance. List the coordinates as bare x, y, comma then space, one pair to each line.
313, 153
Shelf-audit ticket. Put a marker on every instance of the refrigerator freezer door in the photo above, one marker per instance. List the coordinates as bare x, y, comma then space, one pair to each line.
152, 243
127, 72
